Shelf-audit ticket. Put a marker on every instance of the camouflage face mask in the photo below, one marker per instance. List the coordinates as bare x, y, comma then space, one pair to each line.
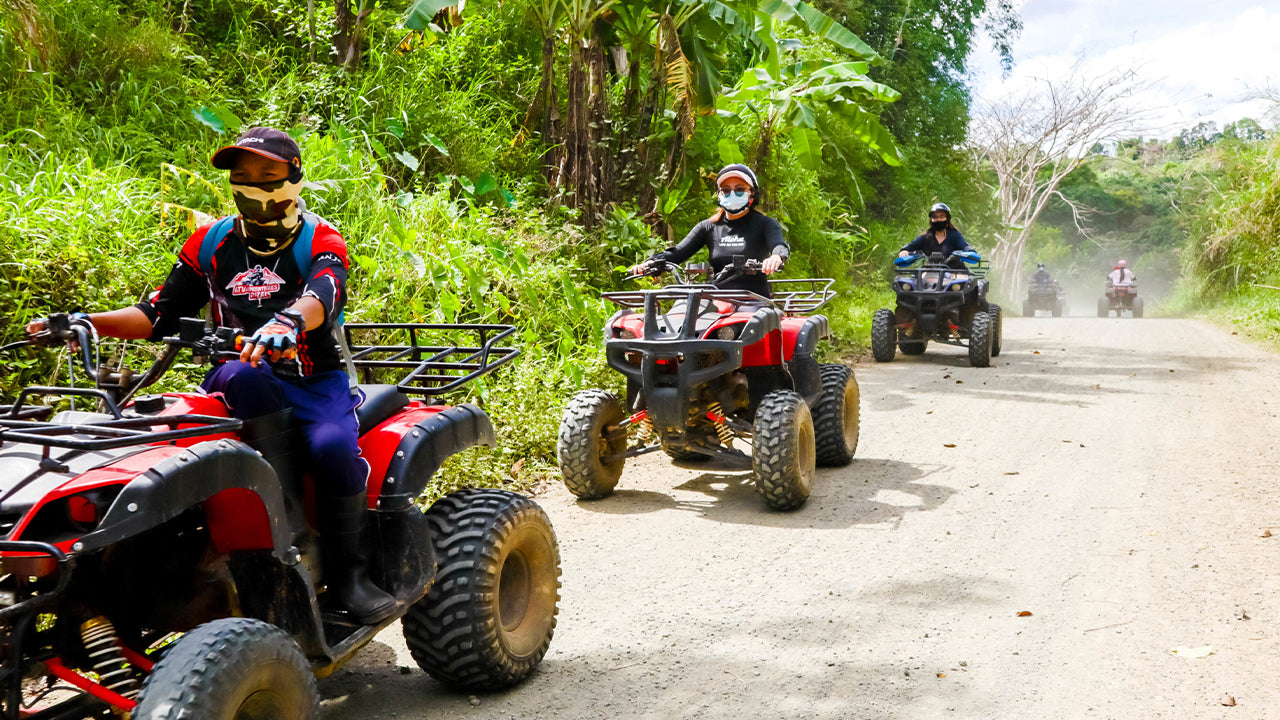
268, 213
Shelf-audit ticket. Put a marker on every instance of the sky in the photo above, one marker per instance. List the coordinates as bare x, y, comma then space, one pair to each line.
1203, 57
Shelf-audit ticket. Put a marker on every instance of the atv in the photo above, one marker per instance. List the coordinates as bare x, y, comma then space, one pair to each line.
1120, 298
1045, 296
943, 301
154, 565
707, 368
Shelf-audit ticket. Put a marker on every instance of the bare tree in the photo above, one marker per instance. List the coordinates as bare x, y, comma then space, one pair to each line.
1033, 139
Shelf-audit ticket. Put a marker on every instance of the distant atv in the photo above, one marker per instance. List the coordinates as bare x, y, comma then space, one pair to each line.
707, 367
1045, 296
122, 528
940, 302
1119, 298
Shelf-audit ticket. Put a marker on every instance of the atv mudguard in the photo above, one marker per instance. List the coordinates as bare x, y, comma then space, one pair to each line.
423, 447
252, 515
803, 365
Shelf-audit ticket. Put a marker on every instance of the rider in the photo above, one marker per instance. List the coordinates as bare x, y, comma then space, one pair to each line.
941, 237
248, 266
737, 228
1042, 276
1121, 274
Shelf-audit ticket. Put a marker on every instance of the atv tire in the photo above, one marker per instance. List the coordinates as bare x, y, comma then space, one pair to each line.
1104, 307
997, 328
980, 337
882, 335
836, 416
490, 615
582, 445
784, 450
1137, 307
230, 669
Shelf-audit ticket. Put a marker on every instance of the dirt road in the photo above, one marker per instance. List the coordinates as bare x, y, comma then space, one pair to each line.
1112, 478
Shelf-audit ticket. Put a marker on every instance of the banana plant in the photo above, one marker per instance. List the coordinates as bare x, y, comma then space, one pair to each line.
801, 100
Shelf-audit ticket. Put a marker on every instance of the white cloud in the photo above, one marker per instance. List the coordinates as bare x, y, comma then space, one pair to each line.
1203, 59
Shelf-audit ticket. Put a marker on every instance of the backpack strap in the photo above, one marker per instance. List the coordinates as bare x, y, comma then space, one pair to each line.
212, 239
302, 246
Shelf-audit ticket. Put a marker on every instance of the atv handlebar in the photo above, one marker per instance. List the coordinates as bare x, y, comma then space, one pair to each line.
655, 269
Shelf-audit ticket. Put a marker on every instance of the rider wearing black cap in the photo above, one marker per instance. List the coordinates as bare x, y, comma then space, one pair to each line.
941, 237
1042, 275
737, 228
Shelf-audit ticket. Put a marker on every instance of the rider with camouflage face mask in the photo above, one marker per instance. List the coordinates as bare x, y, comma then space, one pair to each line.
278, 274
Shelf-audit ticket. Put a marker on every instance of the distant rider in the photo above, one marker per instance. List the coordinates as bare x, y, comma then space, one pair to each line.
1042, 276
1121, 274
941, 237
737, 228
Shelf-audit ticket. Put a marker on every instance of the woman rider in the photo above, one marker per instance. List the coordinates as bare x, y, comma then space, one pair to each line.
737, 228
941, 237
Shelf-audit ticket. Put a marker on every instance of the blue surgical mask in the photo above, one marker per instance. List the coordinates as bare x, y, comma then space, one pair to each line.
734, 201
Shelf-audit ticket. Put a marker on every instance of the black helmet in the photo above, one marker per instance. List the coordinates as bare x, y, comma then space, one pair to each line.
1040, 265
940, 207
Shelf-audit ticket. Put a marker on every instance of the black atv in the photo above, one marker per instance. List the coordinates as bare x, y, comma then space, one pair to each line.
707, 367
1047, 296
152, 564
943, 301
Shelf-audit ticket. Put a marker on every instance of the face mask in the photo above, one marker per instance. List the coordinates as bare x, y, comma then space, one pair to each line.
938, 225
734, 201
268, 213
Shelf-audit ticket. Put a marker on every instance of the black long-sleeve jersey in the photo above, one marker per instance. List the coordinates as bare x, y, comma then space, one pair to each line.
754, 235
247, 290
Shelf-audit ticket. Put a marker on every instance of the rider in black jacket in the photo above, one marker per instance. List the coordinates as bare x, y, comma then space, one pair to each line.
737, 228
941, 237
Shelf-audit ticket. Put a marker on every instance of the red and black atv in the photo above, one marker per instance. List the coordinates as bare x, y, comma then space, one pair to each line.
1119, 298
154, 565
706, 367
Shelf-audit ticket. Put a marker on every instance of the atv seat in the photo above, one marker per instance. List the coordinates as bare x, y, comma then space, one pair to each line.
377, 403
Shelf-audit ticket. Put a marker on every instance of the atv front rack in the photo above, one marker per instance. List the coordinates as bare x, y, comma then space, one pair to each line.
428, 359
673, 293
802, 295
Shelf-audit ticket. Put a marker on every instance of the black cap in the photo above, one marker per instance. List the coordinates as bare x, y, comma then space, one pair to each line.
268, 142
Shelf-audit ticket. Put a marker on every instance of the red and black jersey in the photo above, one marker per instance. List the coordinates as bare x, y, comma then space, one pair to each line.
248, 289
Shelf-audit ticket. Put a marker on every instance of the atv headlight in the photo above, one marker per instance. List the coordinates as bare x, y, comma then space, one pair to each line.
729, 332
905, 286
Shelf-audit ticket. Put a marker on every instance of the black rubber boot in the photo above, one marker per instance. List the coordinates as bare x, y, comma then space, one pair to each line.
341, 527
273, 436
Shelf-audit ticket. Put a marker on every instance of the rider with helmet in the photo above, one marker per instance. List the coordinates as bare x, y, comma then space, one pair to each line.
1042, 275
736, 228
1121, 274
941, 237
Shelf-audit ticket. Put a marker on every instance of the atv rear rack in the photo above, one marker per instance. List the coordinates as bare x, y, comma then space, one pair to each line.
115, 433
430, 359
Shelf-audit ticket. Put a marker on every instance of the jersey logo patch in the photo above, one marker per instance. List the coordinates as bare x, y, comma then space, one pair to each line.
257, 283
733, 242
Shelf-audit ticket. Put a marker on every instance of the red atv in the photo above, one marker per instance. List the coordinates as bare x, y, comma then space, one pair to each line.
1119, 298
739, 366
154, 565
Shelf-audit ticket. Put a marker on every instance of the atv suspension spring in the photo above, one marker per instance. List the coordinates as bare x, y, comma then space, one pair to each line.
716, 415
107, 656
644, 433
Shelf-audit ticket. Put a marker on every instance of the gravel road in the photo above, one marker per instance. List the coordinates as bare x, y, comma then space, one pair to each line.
1032, 540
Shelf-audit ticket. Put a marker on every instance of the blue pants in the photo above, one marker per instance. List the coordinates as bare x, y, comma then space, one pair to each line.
323, 407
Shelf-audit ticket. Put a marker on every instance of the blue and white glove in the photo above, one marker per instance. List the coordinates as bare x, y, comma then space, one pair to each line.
276, 338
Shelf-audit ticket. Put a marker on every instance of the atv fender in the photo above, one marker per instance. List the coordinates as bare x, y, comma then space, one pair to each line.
192, 477
805, 373
426, 446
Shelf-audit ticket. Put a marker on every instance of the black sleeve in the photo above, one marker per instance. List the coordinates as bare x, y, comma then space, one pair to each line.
698, 237
960, 242
914, 245
183, 294
774, 242
326, 281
